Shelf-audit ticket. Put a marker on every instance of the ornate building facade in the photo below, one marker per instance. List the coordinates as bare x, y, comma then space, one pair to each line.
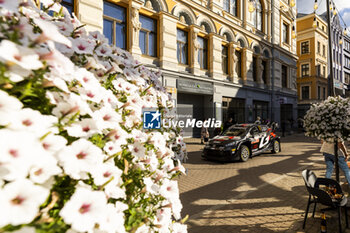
312, 50
229, 58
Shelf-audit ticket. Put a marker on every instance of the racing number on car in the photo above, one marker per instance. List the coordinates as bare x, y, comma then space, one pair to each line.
264, 141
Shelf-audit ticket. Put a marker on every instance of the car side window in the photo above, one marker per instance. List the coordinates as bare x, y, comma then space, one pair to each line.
254, 131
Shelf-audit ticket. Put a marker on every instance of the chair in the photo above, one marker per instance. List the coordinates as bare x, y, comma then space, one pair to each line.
317, 195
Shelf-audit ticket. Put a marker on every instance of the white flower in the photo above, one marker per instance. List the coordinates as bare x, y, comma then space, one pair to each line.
103, 50
84, 128
179, 228
32, 120
79, 158
53, 143
9, 105
151, 187
51, 32
83, 46
20, 201
44, 169
84, 209
106, 118
112, 148
169, 189
119, 135
137, 149
113, 220
19, 151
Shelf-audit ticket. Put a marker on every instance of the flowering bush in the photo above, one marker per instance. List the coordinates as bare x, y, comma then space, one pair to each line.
73, 155
329, 120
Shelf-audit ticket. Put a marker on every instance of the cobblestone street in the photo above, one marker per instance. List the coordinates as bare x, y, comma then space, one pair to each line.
265, 194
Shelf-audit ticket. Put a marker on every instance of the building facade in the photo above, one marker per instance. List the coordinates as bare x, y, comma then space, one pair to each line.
231, 58
312, 50
346, 64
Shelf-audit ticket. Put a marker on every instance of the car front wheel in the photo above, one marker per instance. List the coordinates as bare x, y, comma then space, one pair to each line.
244, 153
276, 147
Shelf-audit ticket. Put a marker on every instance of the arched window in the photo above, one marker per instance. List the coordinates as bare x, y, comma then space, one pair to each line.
258, 16
231, 6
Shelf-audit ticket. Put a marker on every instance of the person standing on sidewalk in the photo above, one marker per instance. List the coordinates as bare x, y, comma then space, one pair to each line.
204, 134
328, 152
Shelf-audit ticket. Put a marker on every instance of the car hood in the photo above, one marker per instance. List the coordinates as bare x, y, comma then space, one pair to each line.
223, 140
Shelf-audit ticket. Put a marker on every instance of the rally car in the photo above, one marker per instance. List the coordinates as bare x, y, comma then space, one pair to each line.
242, 141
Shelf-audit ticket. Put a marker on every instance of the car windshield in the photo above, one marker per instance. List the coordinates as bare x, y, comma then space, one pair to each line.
235, 132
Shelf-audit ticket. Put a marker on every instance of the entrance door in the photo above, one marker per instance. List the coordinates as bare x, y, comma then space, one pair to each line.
190, 107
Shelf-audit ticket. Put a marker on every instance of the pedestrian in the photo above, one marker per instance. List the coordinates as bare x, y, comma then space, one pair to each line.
204, 134
328, 152
227, 124
283, 127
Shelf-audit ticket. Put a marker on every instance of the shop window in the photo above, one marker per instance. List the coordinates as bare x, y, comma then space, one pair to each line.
305, 70
203, 52
224, 56
114, 24
284, 76
182, 47
148, 36
304, 47
305, 95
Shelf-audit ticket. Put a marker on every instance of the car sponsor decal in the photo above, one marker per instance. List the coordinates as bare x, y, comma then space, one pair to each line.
264, 141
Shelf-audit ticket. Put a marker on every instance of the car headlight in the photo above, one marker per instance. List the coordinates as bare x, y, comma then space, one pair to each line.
231, 144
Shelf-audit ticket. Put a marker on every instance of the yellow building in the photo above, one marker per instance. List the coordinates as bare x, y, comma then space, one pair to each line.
219, 58
312, 49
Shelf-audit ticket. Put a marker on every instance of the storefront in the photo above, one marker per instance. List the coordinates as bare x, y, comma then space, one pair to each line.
194, 101
233, 108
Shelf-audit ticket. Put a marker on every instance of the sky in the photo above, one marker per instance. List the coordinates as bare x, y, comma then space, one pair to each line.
343, 6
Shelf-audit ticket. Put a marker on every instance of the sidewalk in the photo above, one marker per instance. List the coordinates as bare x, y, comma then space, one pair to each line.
265, 194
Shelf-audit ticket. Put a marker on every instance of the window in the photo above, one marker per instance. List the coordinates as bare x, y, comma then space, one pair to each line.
323, 28
304, 47
69, 4
318, 47
114, 24
203, 53
324, 92
255, 69
148, 36
284, 76
319, 92
224, 56
238, 63
347, 62
305, 95
324, 50
347, 78
182, 47
231, 6
258, 16
324, 71
285, 33
305, 70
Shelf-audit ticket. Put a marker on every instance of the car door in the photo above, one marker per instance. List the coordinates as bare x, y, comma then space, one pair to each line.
264, 138
254, 137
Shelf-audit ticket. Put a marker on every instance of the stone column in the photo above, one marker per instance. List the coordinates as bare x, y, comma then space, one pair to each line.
135, 32
168, 47
215, 57
247, 71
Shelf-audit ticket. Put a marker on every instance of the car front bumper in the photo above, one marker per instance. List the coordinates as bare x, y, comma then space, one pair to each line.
219, 155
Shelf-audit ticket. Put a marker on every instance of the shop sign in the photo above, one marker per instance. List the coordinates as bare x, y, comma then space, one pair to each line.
195, 86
